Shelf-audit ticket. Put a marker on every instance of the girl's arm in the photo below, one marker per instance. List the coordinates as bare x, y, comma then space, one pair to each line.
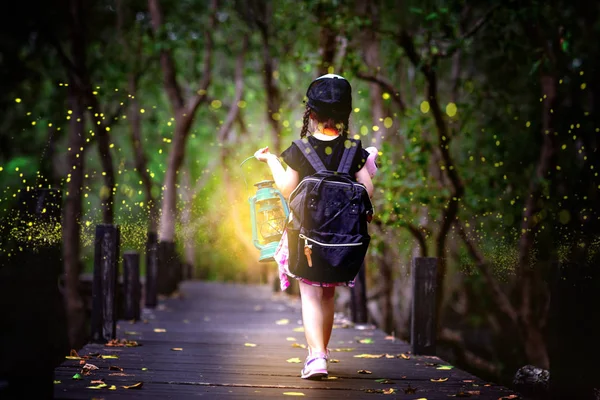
363, 176
286, 180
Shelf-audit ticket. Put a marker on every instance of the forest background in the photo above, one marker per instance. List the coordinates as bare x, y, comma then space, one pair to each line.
486, 115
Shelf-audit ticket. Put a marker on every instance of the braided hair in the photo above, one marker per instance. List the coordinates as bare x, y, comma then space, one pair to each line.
327, 121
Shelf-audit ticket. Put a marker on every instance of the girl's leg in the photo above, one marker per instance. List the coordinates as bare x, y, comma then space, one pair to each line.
312, 316
328, 308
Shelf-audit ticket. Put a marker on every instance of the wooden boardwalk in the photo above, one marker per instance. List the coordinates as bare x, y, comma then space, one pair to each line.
222, 341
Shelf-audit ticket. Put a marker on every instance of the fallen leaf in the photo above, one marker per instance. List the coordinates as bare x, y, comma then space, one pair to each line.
439, 380
110, 357
468, 380
294, 360
402, 355
144, 369
373, 390
77, 377
100, 386
333, 361
445, 367
460, 394
366, 341
249, 344
390, 391
177, 348
428, 364
293, 393
298, 345
134, 386
57, 382
369, 355
73, 358
115, 368
390, 338
97, 381
385, 381
509, 397
390, 356
474, 392
131, 333
283, 321
298, 329
290, 339
73, 353
159, 330
90, 367
119, 374
410, 390
330, 378
112, 387
345, 349
364, 371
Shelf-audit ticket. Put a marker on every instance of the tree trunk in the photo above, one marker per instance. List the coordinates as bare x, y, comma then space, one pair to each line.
369, 9
72, 217
140, 160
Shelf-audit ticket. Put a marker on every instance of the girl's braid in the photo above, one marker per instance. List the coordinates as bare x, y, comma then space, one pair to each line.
346, 131
305, 120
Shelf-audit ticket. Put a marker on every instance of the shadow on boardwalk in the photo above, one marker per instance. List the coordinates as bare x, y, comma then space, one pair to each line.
236, 341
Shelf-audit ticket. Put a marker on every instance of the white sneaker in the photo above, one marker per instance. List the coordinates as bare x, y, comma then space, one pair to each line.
315, 366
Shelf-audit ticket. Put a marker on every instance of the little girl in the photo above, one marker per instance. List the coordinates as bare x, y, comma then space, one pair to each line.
325, 125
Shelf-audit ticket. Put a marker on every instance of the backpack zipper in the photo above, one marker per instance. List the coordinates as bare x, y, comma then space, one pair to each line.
307, 239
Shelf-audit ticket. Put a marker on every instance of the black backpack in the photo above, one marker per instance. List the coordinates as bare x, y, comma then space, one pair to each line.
328, 236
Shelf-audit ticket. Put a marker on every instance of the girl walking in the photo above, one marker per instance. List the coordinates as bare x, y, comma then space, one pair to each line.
325, 126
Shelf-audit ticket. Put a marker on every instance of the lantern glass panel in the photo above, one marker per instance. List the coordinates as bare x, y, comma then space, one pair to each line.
270, 218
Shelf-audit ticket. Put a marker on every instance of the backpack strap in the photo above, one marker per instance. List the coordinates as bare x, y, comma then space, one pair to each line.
347, 157
311, 155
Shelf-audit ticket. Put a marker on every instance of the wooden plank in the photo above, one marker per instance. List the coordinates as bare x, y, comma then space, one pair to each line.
231, 341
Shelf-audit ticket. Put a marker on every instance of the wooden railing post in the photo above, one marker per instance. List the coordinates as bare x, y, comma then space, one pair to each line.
423, 326
34, 326
151, 269
106, 265
358, 298
573, 323
131, 285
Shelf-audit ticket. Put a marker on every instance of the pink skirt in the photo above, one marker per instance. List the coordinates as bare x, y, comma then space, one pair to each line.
281, 256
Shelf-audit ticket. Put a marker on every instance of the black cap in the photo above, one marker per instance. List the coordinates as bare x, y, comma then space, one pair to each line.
330, 95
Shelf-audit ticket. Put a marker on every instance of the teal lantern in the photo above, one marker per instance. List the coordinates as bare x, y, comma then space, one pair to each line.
269, 212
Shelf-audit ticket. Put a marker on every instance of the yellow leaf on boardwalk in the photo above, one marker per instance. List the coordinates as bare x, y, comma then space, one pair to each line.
290, 339
249, 344
439, 380
445, 367
177, 349
109, 357
159, 330
298, 345
294, 360
134, 386
369, 355
283, 322
299, 329
293, 393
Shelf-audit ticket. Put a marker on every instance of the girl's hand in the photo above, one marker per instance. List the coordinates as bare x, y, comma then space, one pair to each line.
263, 154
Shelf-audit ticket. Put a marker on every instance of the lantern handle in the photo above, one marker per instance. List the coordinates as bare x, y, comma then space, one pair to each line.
243, 174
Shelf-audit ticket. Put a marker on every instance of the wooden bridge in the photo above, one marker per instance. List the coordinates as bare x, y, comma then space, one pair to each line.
221, 340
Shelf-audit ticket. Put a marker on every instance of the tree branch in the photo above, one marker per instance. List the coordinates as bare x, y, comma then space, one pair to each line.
239, 91
200, 96
498, 296
166, 60
387, 86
